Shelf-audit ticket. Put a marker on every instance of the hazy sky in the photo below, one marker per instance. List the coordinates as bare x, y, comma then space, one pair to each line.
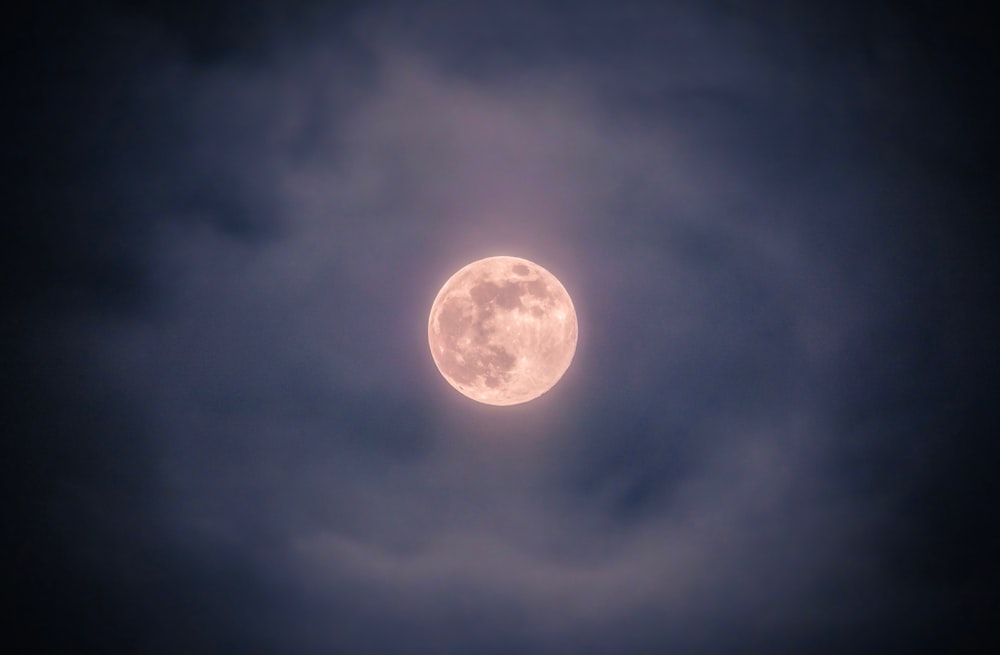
225, 431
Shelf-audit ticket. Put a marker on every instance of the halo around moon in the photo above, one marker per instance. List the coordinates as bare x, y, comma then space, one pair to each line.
502, 330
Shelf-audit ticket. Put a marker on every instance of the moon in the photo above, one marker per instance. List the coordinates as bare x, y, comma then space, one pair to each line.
502, 330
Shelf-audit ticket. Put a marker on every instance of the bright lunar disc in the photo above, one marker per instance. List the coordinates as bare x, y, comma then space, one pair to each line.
502, 330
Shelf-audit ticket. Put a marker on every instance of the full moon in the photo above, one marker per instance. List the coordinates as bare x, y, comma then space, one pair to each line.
502, 330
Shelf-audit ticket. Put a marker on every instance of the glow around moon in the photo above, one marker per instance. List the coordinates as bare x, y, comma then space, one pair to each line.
502, 330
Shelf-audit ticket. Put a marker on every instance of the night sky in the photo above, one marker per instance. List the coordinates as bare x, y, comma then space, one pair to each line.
226, 222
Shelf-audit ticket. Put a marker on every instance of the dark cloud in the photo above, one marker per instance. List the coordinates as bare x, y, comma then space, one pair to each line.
229, 224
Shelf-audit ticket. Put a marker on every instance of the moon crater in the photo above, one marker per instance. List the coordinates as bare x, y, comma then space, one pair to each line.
502, 330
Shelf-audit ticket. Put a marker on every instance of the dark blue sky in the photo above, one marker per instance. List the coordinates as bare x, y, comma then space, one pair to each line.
227, 222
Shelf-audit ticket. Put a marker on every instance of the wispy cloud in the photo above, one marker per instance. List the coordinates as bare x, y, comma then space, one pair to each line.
722, 242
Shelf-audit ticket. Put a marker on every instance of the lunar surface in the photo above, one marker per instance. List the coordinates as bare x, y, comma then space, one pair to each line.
502, 330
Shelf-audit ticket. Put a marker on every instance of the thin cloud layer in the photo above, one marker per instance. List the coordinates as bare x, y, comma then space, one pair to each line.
727, 237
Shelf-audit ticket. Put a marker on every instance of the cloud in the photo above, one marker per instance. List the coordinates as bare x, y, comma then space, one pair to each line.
720, 228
